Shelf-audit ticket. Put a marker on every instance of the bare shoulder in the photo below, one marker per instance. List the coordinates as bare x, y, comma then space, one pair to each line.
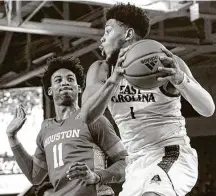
96, 77
98, 65
98, 72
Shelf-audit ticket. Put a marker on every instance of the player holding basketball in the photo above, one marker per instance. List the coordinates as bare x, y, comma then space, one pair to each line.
67, 149
161, 160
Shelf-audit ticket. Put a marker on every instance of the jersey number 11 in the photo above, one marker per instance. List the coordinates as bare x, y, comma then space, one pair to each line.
57, 155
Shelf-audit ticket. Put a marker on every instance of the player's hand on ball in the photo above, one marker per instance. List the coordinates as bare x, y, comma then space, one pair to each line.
118, 70
18, 121
81, 171
171, 67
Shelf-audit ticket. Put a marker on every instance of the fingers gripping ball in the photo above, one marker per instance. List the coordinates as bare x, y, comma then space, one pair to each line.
141, 64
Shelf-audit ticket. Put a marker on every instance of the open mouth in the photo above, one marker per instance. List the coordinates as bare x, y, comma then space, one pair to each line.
65, 89
102, 50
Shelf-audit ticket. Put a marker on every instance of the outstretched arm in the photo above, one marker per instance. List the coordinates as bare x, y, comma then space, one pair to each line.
34, 168
181, 77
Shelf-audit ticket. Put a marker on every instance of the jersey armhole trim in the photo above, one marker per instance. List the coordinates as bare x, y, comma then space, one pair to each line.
167, 93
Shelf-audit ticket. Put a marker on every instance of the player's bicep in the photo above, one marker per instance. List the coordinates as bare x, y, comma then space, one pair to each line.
94, 80
93, 74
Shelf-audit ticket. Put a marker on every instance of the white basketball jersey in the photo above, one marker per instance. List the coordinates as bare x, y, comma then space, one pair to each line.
146, 118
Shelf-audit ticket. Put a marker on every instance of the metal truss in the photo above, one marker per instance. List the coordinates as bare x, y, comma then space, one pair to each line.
84, 29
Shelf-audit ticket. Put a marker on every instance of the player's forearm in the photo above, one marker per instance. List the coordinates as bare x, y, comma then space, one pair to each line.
94, 106
113, 174
13, 141
25, 161
197, 96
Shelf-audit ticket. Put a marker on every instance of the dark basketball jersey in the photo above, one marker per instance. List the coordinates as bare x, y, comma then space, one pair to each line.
62, 143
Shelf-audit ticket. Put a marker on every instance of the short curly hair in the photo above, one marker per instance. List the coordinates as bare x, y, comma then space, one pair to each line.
131, 16
54, 64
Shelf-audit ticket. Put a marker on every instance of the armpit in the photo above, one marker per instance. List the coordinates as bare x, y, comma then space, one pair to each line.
169, 90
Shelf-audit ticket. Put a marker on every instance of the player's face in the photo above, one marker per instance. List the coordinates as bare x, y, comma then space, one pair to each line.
112, 40
64, 87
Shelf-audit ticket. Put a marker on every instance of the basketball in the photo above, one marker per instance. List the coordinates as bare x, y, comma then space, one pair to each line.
141, 64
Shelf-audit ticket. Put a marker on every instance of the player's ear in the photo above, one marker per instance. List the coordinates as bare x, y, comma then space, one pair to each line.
79, 89
129, 35
49, 91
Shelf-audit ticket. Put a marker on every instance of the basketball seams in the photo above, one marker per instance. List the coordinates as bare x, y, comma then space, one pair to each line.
141, 71
150, 86
132, 48
155, 52
146, 75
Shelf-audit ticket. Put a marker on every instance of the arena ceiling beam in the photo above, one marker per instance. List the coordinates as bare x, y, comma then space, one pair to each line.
156, 17
84, 33
5, 45
208, 29
24, 10
30, 7
154, 5
66, 22
200, 50
28, 75
176, 40
35, 11
66, 15
49, 29
175, 29
36, 72
18, 12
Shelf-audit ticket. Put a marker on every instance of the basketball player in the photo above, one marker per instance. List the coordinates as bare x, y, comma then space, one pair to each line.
68, 149
161, 160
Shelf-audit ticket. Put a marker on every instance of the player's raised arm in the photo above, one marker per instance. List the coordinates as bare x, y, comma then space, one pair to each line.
99, 89
181, 77
34, 168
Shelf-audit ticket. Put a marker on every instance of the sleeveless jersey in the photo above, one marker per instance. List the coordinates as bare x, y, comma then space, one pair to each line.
70, 141
146, 118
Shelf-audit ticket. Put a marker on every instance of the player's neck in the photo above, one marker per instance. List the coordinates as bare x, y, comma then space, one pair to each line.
64, 112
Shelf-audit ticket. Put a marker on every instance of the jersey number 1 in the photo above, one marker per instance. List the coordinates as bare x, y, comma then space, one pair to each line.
57, 155
132, 113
